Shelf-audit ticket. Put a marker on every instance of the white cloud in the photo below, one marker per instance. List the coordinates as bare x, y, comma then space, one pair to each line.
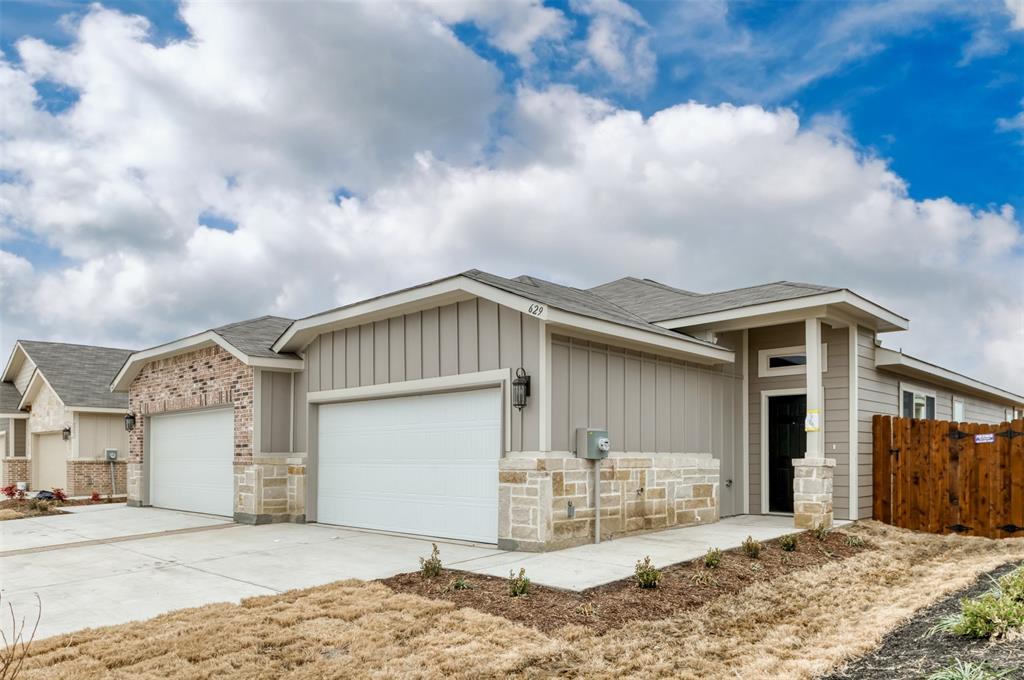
617, 43
1016, 10
575, 189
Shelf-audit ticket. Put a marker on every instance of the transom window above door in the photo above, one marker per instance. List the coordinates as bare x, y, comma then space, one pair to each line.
787, 360
917, 402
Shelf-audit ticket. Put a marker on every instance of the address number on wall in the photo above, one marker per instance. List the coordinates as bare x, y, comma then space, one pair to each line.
535, 309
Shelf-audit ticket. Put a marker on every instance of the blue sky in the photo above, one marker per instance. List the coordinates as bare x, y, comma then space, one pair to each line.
210, 142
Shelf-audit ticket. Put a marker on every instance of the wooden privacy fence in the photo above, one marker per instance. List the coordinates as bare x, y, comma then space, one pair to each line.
942, 477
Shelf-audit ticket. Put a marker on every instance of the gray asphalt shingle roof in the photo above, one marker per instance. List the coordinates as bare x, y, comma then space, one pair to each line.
80, 374
254, 337
574, 300
10, 397
657, 302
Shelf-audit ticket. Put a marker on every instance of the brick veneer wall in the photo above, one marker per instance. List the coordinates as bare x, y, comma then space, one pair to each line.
638, 493
16, 470
86, 476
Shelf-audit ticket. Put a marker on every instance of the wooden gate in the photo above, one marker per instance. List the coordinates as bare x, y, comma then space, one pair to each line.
942, 477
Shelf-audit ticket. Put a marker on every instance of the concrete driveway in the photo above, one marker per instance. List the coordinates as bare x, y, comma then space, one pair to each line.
89, 570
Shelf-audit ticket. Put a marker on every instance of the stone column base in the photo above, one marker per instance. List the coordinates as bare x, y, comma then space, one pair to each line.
18, 469
270, 489
812, 492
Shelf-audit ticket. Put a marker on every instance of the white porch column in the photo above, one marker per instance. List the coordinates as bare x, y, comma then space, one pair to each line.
812, 481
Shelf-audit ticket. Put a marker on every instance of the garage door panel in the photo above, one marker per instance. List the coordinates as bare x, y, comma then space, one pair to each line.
191, 461
423, 465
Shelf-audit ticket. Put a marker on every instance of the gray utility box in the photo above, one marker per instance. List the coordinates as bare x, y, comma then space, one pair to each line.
111, 454
592, 443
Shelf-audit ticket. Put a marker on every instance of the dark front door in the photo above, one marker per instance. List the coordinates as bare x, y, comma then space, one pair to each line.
786, 440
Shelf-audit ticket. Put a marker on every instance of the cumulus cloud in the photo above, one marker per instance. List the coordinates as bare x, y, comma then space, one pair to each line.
573, 188
1016, 10
617, 43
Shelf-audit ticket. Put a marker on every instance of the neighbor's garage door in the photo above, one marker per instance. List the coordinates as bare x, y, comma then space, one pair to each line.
190, 461
420, 465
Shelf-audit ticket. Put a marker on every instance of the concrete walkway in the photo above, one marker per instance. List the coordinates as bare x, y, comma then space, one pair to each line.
592, 565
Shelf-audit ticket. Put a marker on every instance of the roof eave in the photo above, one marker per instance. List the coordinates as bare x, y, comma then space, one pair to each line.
10, 371
896, 362
35, 383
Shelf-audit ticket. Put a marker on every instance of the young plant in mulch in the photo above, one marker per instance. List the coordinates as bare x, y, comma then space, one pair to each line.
788, 542
702, 577
968, 670
855, 541
458, 583
713, 558
993, 614
430, 567
10, 491
518, 584
751, 547
821, 532
647, 575
95, 497
59, 494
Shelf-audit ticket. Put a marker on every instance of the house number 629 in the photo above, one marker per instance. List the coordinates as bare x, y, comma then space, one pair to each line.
536, 310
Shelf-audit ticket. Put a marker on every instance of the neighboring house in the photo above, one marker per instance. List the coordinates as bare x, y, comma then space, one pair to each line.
59, 418
397, 414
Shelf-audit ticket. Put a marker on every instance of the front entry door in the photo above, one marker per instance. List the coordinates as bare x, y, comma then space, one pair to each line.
786, 440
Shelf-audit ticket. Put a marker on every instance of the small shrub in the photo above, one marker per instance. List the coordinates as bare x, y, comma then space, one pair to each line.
821, 532
751, 547
95, 497
713, 558
586, 609
1012, 585
9, 491
647, 575
968, 670
702, 577
39, 505
459, 583
59, 494
990, 615
788, 542
854, 541
518, 585
430, 567
21, 494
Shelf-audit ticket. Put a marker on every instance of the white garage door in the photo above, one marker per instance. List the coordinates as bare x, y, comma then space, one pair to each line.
190, 461
420, 465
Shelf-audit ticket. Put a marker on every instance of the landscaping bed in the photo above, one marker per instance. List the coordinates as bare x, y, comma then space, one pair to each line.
683, 586
909, 652
14, 508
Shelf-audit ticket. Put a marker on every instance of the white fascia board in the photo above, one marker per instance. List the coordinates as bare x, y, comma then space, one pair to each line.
452, 289
686, 348
137, 360
99, 409
10, 370
34, 385
897, 362
19, 414
889, 320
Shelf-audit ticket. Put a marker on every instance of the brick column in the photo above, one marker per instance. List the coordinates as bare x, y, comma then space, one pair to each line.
812, 492
17, 470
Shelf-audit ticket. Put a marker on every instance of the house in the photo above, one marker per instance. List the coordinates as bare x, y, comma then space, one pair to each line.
58, 418
411, 412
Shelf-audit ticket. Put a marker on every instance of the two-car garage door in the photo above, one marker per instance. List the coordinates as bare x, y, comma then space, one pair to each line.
423, 465
190, 461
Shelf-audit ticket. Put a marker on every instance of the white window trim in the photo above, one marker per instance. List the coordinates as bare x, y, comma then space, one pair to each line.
765, 371
916, 390
956, 400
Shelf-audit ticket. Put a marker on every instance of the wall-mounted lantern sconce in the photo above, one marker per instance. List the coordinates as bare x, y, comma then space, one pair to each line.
520, 389
129, 421
66, 434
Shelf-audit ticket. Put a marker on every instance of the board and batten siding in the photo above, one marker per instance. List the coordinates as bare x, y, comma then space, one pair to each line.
275, 404
836, 395
96, 433
465, 337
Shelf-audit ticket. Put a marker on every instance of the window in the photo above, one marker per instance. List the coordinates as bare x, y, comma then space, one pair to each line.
787, 361
917, 402
959, 414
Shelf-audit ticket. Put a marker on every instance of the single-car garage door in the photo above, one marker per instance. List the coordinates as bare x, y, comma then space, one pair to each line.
421, 465
191, 461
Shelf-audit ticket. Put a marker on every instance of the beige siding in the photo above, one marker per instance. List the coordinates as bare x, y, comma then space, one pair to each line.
467, 337
835, 418
299, 410
276, 408
24, 374
649, 404
98, 432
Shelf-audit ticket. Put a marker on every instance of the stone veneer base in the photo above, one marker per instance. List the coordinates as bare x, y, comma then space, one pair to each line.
812, 492
247, 518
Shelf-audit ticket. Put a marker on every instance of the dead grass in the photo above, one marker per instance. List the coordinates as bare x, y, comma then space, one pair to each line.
7, 513
796, 626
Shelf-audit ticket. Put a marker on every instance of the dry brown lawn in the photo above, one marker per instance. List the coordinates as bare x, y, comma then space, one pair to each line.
796, 626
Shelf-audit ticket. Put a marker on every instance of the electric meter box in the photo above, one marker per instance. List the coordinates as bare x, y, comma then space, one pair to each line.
111, 454
592, 443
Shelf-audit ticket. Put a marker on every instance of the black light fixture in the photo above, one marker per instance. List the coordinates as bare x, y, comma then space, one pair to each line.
129, 421
520, 389
66, 434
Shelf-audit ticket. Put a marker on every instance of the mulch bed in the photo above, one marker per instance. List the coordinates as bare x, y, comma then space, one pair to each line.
22, 506
909, 652
683, 586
